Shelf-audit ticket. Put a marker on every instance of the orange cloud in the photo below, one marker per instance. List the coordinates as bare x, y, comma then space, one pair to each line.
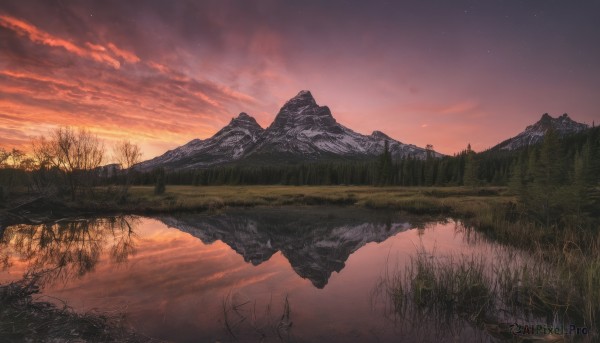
95, 47
154, 104
207, 99
25, 75
237, 95
92, 51
126, 55
24, 29
158, 67
168, 110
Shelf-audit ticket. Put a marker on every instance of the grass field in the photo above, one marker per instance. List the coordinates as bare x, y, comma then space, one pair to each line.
456, 200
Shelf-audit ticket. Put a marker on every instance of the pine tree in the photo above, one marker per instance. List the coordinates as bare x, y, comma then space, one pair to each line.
385, 166
160, 187
471, 169
429, 166
545, 195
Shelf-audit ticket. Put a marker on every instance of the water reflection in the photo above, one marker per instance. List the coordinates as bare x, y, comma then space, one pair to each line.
234, 276
68, 248
316, 242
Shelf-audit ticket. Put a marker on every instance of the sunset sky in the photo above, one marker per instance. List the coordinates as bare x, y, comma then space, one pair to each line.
162, 73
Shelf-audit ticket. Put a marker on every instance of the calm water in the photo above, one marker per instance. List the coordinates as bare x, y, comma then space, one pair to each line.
288, 274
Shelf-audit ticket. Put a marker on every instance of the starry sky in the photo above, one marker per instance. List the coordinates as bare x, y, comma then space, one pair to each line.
162, 73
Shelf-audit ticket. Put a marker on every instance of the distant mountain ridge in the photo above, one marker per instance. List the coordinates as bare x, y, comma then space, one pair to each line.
534, 134
301, 131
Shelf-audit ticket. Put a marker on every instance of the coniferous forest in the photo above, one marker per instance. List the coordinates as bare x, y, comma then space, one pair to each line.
571, 161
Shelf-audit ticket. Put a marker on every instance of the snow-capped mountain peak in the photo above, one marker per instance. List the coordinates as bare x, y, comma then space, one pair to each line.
243, 119
380, 135
228, 144
304, 97
302, 130
309, 131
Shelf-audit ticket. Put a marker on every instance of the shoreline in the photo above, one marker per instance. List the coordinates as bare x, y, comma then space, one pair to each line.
452, 201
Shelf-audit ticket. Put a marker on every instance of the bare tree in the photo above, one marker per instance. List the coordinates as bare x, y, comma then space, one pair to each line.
75, 153
4, 156
4, 182
28, 164
16, 157
127, 155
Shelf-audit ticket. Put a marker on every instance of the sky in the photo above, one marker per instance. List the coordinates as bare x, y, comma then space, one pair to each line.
161, 73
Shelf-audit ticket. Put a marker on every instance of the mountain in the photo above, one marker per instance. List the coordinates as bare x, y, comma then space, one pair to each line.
308, 131
315, 245
301, 131
534, 134
227, 145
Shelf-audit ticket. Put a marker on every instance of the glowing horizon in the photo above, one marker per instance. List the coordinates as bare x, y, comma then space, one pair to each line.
162, 74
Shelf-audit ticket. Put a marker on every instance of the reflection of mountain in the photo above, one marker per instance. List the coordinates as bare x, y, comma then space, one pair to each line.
316, 242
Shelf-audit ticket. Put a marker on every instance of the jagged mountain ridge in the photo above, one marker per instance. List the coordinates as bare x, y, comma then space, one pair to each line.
304, 128
301, 131
227, 145
534, 134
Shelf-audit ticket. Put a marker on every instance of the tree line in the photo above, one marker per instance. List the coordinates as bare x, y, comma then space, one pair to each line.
70, 162
465, 168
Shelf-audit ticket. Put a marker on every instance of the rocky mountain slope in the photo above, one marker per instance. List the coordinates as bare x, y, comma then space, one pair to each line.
307, 130
227, 145
534, 134
301, 131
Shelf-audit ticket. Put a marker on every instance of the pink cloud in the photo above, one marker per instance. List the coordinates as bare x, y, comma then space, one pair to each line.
36, 35
92, 51
126, 55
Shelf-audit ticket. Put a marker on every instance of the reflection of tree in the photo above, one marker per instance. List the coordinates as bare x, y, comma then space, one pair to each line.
69, 249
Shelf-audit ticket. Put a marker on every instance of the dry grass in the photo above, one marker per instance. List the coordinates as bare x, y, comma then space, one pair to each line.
451, 200
536, 283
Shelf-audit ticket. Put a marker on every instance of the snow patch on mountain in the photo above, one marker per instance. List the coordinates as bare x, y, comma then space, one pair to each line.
533, 134
307, 129
229, 144
302, 128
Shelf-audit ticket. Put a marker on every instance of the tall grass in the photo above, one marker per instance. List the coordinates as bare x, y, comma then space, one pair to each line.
449, 288
564, 257
499, 287
244, 321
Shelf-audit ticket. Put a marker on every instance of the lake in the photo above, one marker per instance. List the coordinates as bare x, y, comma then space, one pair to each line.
302, 274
